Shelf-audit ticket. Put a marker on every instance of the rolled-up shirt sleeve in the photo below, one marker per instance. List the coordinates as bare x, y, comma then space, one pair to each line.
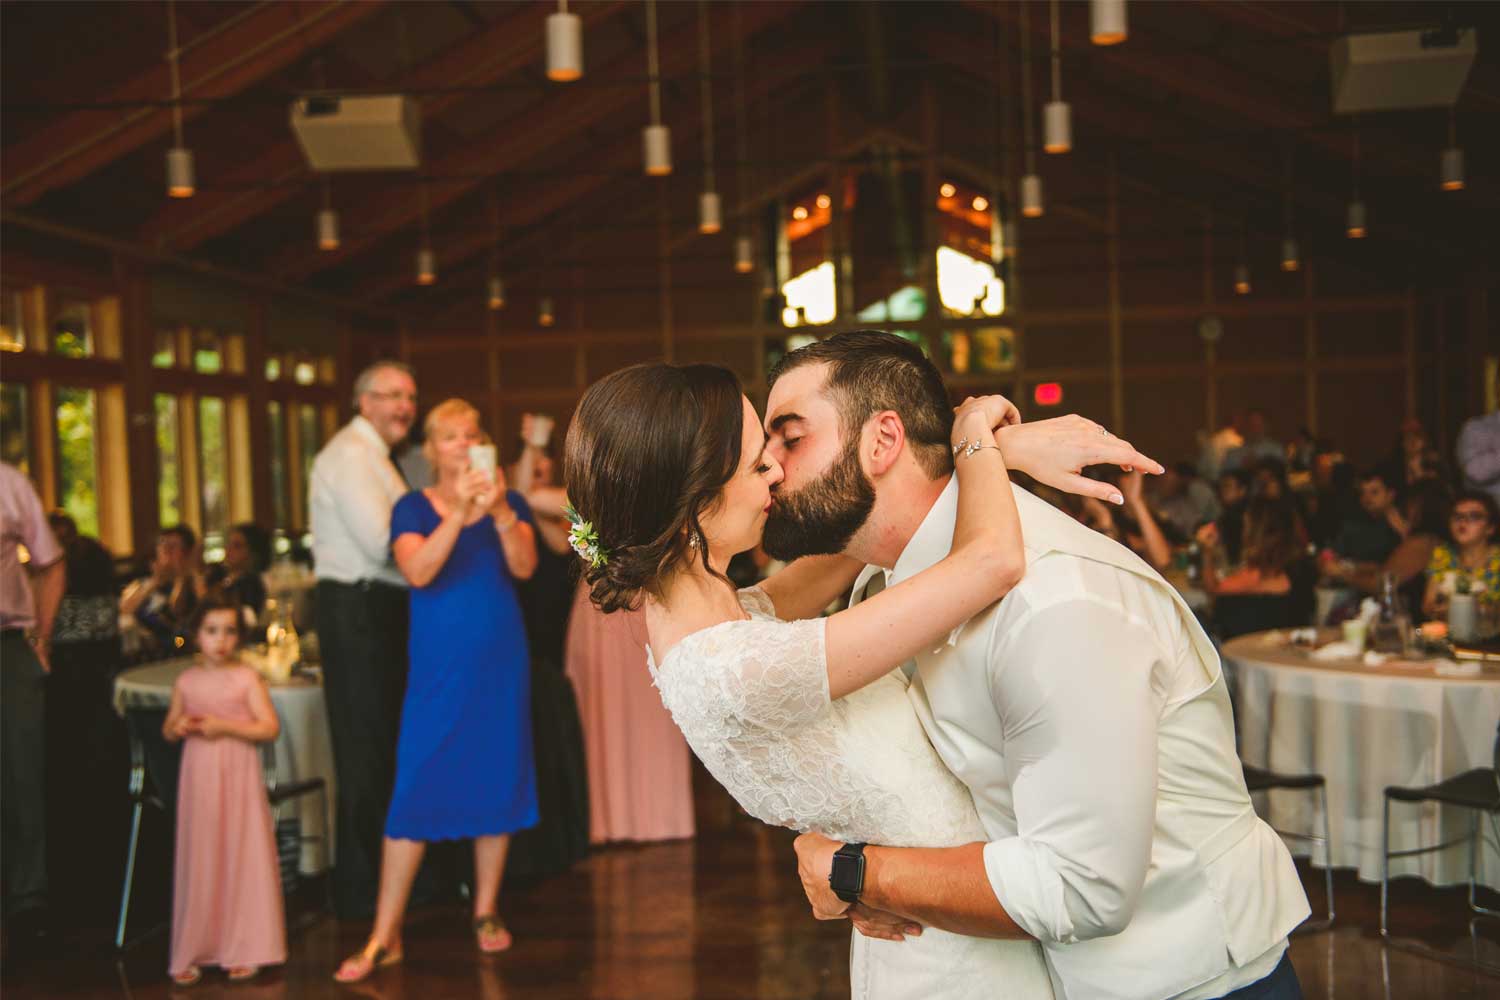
1079, 690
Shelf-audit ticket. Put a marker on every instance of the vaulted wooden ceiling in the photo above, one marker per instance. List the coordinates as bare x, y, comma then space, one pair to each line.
1208, 107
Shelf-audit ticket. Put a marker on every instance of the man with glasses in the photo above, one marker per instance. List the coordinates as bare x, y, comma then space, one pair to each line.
362, 617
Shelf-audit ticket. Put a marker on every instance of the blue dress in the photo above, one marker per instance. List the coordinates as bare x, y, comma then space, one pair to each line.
464, 764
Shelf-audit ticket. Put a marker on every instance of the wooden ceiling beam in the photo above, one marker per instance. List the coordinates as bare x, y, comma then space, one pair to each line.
540, 201
523, 138
480, 59
261, 43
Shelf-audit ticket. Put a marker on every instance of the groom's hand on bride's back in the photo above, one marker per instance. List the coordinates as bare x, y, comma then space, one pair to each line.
1056, 451
879, 924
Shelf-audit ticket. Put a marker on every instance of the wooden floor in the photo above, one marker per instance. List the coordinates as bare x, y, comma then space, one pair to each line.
721, 916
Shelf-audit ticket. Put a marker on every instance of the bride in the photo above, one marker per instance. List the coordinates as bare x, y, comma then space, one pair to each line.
804, 720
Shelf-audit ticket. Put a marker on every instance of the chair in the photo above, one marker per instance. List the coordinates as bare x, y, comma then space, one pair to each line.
151, 757
1259, 780
1477, 790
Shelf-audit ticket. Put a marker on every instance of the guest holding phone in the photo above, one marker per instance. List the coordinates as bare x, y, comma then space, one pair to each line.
464, 762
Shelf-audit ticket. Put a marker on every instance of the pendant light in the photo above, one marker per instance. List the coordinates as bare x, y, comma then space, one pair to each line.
544, 314
328, 221
744, 246
426, 259
744, 254
1057, 116
564, 45
1354, 216
1291, 256
709, 214
180, 182
1107, 22
656, 138
495, 288
1031, 183
1452, 175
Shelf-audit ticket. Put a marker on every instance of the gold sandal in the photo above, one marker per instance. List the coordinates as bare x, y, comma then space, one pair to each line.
377, 959
243, 973
488, 927
191, 976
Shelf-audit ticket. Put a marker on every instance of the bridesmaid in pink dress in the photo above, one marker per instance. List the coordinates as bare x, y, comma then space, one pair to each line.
226, 902
640, 782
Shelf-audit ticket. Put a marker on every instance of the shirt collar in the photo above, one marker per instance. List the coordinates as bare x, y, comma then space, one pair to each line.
367, 431
933, 538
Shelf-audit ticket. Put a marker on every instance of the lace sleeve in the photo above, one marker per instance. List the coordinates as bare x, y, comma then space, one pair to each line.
766, 673
757, 603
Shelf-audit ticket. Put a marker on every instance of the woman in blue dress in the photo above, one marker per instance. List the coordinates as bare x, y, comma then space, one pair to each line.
464, 766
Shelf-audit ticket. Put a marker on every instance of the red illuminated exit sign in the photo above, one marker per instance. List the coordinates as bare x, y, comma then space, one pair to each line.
1048, 394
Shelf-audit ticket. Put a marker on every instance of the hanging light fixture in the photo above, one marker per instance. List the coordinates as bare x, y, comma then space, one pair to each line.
1453, 160
426, 259
1354, 215
709, 215
180, 182
564, 45
1057, 116
495, 287
1107, 22
544, 313
656, 138
1291, 256
328, 221
1031, 183
1242, 269
744, 255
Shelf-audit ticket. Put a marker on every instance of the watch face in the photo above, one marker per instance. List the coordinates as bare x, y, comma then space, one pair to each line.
848, 874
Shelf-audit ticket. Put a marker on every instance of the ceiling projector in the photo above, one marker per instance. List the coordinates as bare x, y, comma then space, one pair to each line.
363, 132
1392, 70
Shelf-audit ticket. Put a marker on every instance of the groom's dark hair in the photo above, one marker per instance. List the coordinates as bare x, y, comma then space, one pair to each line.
870, 371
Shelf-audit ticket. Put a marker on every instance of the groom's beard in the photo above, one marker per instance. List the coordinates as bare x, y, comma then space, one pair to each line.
820, 518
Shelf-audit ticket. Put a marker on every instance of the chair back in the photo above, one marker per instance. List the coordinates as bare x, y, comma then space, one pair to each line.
1240, 614
151, 756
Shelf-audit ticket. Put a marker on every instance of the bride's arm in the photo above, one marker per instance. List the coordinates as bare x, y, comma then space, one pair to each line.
870, 639
804, 587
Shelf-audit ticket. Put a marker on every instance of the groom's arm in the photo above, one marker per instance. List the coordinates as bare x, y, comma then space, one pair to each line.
1080, 695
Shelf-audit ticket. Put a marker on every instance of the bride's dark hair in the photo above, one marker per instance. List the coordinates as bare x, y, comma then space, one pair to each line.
649, 450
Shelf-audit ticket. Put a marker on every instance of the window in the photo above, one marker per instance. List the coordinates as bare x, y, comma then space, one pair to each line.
169, 461
306, 372
77, 469
968, 287
811, 297
989, 349
72, 329
278, 464
15, 437
213, 466
13, 321
273, 368
309, 438
164, 350
208, 352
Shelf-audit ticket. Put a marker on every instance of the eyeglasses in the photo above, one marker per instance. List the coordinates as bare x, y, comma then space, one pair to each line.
1469, 517
392, 395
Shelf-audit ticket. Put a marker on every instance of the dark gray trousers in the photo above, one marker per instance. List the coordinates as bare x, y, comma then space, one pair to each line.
23, 774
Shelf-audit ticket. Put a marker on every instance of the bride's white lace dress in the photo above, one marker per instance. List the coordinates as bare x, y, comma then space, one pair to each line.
752, 699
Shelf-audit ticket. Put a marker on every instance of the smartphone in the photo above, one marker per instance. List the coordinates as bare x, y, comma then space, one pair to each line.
541, 430
482, 457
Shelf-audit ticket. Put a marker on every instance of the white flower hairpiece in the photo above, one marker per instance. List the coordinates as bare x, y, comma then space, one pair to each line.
584, 539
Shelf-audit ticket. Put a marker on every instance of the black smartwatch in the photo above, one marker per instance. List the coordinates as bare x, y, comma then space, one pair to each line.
847, 878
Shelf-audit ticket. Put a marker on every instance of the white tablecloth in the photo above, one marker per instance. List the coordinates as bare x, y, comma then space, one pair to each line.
303, 750
1364, 728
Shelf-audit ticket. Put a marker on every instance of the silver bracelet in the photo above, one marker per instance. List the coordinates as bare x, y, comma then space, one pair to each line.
969, 448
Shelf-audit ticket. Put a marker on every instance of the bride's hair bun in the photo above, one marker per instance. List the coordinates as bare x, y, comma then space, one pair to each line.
648, 452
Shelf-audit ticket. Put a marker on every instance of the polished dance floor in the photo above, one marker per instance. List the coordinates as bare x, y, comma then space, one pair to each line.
718, 917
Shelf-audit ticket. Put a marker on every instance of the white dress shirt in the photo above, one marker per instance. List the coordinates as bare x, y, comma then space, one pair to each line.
1088, 716
354, 486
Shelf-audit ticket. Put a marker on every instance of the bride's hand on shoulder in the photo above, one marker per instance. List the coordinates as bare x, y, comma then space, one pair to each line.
1056, 451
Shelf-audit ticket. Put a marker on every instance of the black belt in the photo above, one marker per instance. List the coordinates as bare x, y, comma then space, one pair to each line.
365, 585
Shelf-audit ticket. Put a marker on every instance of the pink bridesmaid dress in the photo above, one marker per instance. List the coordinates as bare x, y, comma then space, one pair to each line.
640, 778
226, 902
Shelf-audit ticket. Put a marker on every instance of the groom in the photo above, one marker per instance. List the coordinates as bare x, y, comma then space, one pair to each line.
1086, 712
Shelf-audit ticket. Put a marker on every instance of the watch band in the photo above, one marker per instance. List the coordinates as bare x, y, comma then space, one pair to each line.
847, 876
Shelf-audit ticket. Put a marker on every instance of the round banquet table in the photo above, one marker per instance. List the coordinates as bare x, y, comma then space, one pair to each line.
1364, 728
303, 750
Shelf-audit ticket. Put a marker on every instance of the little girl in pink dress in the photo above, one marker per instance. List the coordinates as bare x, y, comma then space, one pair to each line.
226, 902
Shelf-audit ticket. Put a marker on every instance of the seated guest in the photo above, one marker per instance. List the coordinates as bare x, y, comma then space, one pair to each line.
1258, 447
1373, 534
1234, 493
247, 554
1263, 592
1185, 501
1132, 525
1470, 552
164, 601
1335, 497
1426, 513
